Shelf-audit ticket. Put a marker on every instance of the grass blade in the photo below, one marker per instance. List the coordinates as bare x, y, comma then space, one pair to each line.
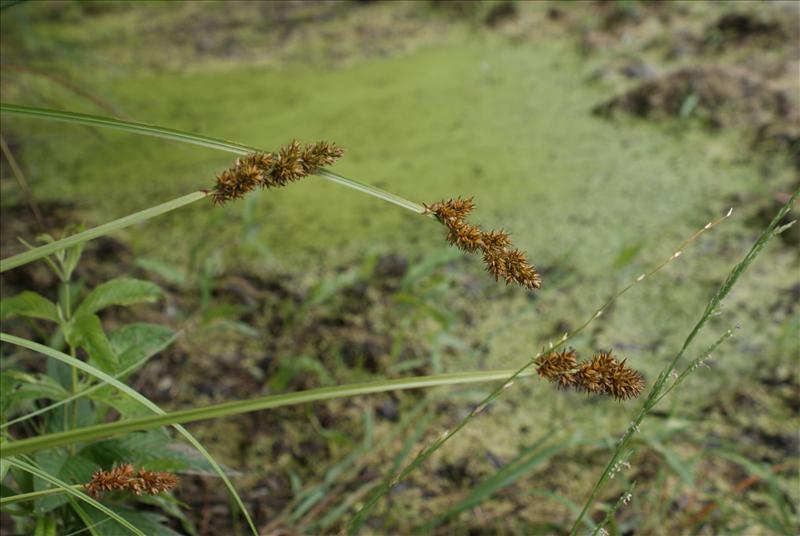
194, 139
661, 384
93, 388
126, 221
85, 367
70, 490
523, 370
241, 406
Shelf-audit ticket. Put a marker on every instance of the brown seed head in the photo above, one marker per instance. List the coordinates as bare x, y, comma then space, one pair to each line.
451, 211
288, 166
496, 240
495, 264
558, 367
519, 271
500, 260
604, 374
123, 478
269, 170
625, 383
319, 155
465, 236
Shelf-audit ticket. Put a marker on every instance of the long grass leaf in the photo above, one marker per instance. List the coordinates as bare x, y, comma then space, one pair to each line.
85, 367
523, 370
227, 409
93, 388
70, 490
101, 230
194, 139
661, 383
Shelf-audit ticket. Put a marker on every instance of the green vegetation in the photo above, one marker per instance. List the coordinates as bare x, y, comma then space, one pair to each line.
314, 291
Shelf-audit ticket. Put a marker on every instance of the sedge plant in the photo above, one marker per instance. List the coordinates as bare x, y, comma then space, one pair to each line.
87, 367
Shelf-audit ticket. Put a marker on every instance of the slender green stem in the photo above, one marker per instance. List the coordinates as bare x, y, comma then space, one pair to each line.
243, 406
194, 139
660, 385
425, 453
126, 126
170, 134
135, 395
89, 234
77, 493
92, 389
33, 495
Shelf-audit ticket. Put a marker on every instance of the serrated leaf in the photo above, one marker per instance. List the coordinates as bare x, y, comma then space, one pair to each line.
86, 331
122, 291
29, 304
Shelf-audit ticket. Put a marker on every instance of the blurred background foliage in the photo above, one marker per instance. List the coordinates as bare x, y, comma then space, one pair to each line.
600, 134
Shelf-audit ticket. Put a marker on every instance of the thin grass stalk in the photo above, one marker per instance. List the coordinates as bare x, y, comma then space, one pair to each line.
194, 139
660, 384
102, 376
226, 409
92, 389
70, 490
101, 230
33, 495
424, 454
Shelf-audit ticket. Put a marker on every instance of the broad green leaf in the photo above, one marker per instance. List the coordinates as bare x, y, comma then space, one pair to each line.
7, 386
148, 522
86, 331
51, 462
125, 406
68, 468
144, 401
29, 304
122, 291
134, 342
152, 450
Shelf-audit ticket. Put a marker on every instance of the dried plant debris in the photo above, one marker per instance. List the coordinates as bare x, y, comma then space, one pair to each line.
603, 374
501, 259
270, 170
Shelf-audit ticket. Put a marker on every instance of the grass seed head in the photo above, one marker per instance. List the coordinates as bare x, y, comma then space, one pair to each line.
123, 478
268, 170
500, 259
558, 367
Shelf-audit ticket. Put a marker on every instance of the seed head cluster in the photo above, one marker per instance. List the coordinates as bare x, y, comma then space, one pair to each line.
270, 170
603, 374
124, 478
501, 259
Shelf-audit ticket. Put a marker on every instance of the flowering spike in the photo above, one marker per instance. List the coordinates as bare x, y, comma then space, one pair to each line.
123, 478
500, 259
269, 170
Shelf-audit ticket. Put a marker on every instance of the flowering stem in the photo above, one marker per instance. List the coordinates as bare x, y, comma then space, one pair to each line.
226, 409
32, 495
95, 232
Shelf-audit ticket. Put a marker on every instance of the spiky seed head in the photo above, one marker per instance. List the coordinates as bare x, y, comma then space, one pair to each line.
558, 367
